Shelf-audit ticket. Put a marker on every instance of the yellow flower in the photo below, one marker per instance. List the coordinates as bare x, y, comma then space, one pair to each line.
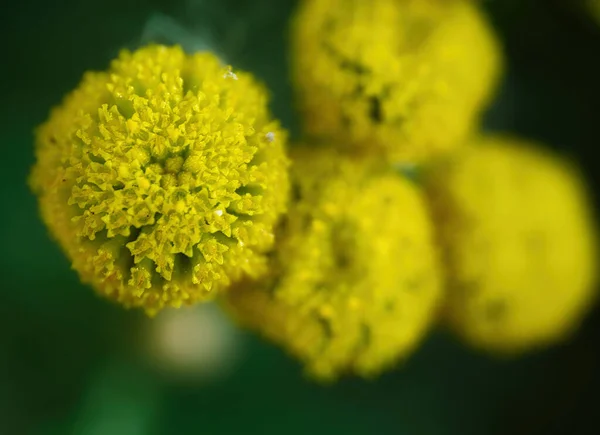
354, 281
162, 178
520, 244
408, 77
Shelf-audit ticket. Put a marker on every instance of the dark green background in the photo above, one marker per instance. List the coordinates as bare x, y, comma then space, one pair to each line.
69, 361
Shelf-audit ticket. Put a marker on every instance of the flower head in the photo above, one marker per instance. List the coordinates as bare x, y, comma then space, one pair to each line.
162, 178
408, 77
519, 242
354, 282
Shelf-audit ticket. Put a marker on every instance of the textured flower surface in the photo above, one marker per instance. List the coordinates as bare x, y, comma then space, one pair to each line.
163, 177
409, 77
354, 282
520, 244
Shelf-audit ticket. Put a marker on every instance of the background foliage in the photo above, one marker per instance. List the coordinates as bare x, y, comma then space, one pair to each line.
71, 363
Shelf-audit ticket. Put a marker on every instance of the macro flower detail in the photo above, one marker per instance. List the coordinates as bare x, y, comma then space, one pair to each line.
163, 177
406, 78
354, 282
520, 244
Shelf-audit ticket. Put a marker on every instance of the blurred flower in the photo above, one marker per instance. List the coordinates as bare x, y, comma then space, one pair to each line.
192, 343
354, 281
520, 244
162, 178
409, 77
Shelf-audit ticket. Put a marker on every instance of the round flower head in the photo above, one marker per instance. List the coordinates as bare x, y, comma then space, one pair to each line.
354, 281
408, 77
162, 178
519, 243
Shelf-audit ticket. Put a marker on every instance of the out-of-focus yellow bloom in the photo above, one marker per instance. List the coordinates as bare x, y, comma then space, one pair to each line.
520, 244
163, 177
355, 278
409, 77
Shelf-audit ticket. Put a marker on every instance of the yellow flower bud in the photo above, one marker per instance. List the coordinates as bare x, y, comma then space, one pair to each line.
354, 283
162, 178
408, 78
519, 243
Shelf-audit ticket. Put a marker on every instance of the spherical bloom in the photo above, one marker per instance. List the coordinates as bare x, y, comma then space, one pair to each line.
162, 178
519, 242
354, 281
407, 77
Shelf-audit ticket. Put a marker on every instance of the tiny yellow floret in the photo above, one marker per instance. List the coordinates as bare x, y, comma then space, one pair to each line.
157, 178
354, 281
520, 244
408, 78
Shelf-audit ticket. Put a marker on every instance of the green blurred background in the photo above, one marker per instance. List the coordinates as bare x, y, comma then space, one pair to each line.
71, 363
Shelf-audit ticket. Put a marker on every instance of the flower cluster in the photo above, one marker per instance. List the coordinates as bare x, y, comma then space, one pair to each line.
519, 243
404, 81
163, 177
166, 182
